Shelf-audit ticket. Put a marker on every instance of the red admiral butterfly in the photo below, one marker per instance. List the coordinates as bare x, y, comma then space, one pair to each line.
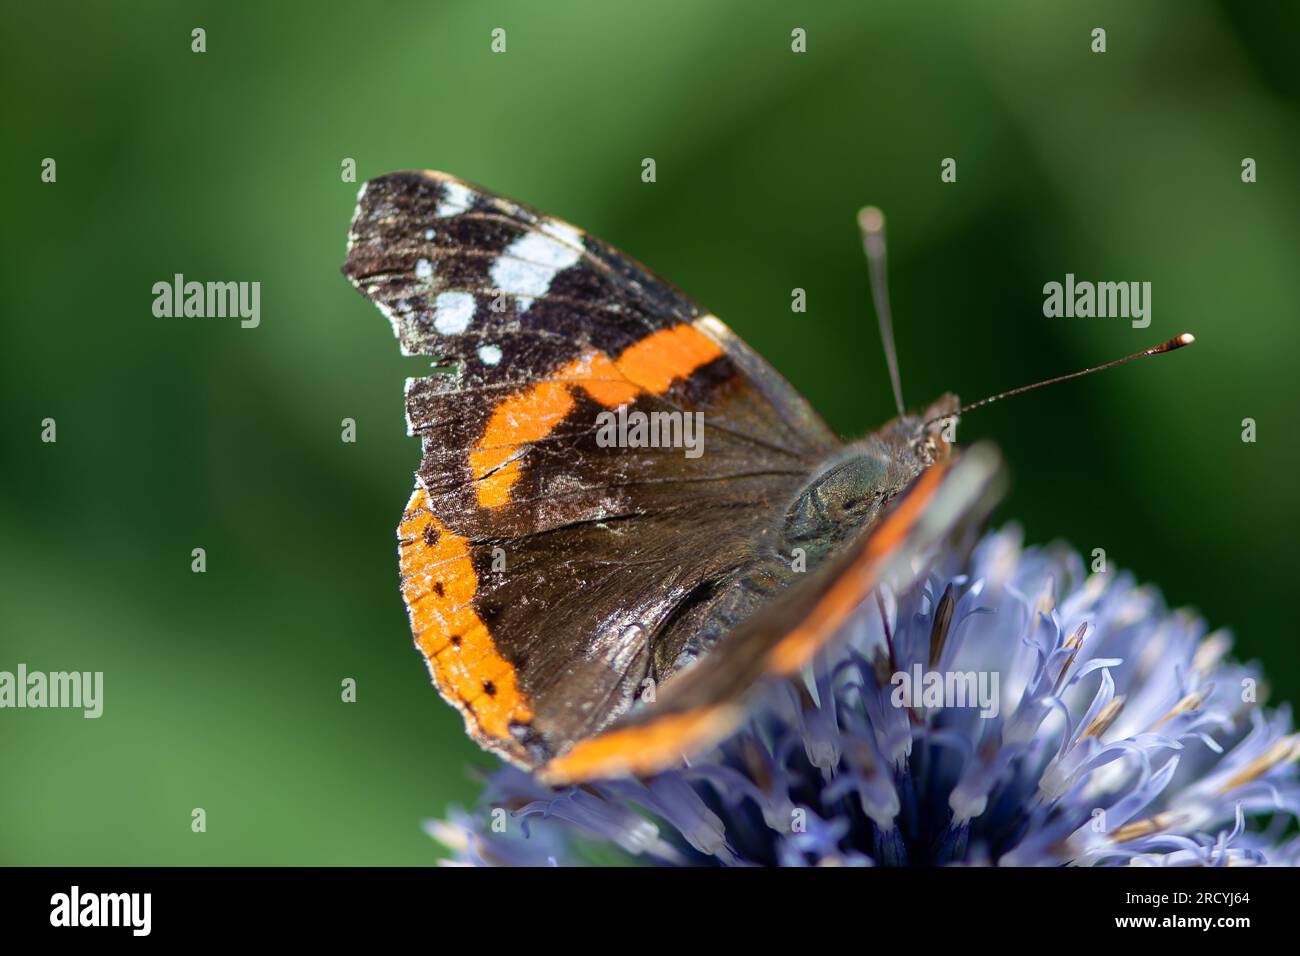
552, 578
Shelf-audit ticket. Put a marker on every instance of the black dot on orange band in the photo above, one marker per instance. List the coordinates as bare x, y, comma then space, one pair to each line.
430, 535
438, 588
489, 688
455, 640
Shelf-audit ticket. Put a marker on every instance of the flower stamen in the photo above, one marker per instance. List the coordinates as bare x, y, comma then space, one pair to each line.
1141, 828
1075, 643
1288, 748
942, 621
1101, 723
1189, 702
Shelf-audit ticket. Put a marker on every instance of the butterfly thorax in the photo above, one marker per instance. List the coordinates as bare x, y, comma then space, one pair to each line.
847, 493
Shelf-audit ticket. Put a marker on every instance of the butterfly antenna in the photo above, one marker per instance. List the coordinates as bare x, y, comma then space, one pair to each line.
872, 223
1175, 343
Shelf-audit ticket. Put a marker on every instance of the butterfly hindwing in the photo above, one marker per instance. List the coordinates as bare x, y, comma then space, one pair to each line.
706, 702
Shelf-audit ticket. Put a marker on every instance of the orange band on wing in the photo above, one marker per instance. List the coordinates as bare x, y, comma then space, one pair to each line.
834, 607
669, 354
642, 749
523, 418
648, 366
439, 584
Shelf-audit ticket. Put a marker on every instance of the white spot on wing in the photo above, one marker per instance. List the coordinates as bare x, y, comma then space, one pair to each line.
489, 354
456, 200
429, 234
529, 264
452, 312
424, 270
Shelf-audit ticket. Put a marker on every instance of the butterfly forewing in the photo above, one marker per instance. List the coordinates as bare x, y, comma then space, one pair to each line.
548, 569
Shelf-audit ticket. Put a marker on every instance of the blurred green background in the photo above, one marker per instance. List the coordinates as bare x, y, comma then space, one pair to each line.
223, 689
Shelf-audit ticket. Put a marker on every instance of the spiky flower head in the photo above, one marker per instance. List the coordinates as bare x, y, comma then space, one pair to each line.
1007, 708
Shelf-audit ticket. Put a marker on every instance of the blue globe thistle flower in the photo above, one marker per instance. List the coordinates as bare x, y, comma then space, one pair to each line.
1008, 708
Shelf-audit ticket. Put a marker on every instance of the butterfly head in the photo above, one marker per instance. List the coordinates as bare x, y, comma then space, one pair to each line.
933, 434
